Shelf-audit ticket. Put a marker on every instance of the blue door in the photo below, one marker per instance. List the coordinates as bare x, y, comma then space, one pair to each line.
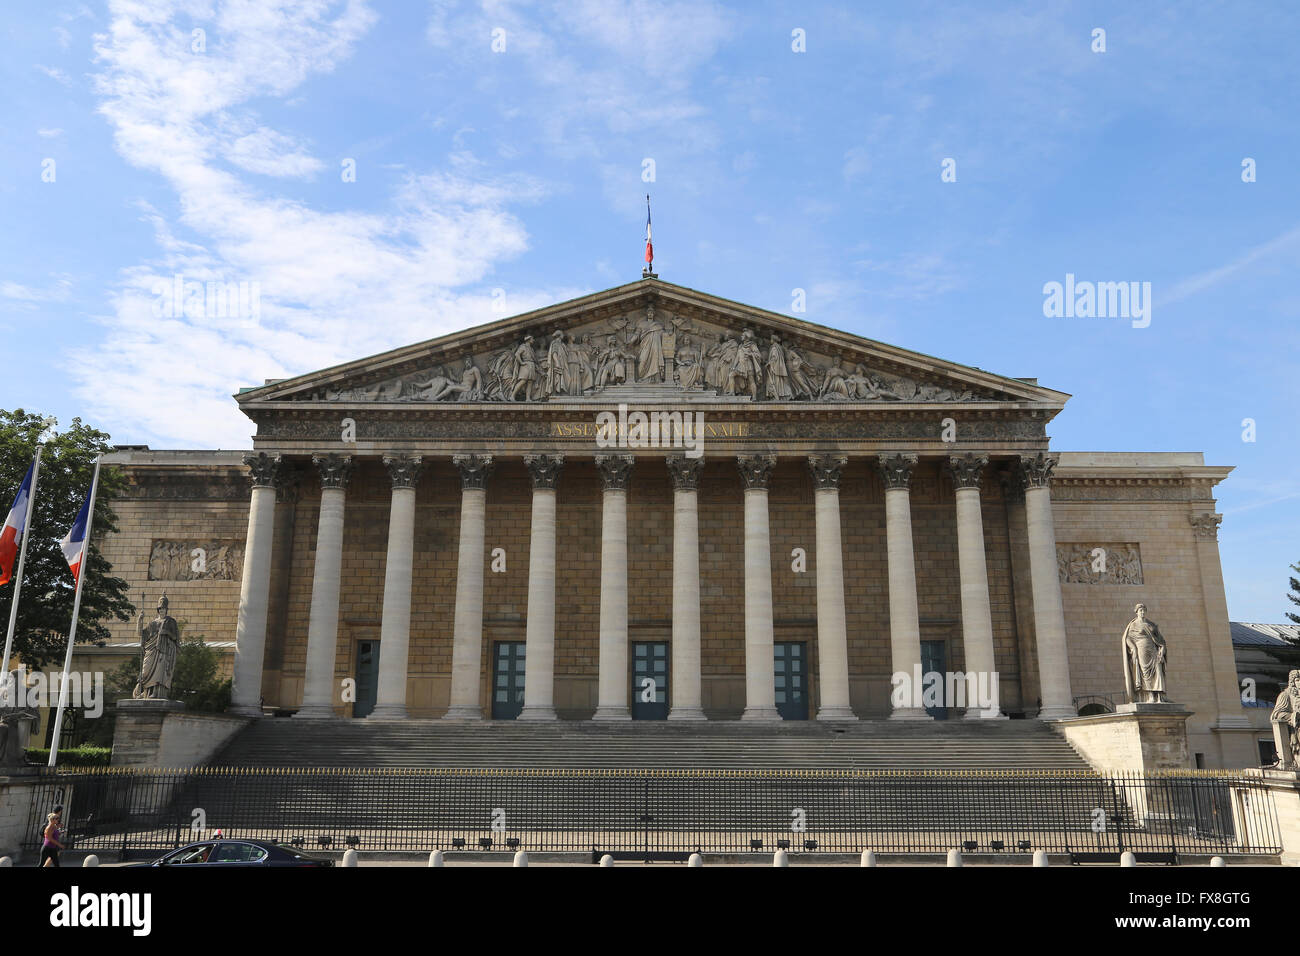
508, 680
934, 660
367, 677
650, 680
791, 679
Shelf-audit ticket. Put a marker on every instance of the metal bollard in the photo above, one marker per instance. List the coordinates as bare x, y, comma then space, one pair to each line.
350, 858
954, 857
780, 858
695, 860
6, 861
868, 857
90, 860
1127, 859
435, 858
521, 858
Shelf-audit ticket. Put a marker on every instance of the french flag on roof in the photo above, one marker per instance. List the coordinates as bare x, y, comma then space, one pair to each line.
74, 545
12, 532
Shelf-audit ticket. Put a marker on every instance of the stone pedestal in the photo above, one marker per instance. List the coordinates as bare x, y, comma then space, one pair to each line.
1252, 820
1137, 738
160, 733
18, 788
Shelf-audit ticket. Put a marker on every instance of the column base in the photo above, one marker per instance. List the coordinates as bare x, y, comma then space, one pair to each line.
537, 712
1056, 713
836, 713
976, 713
686, 713
246, 710
611, 713
387, 712
463, 713
315, 712
909, 713
760, 713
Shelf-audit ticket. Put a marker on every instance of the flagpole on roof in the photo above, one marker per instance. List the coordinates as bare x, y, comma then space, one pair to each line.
648, 270
83, 567
18, 571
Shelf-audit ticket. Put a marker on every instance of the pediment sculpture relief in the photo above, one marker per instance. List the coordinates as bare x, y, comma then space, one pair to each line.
653, 352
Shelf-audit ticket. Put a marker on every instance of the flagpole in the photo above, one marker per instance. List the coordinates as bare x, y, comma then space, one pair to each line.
83, 569
22, 557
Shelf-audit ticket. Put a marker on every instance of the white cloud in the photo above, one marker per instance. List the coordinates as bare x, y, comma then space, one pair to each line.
58, 291
54, 73
333, 285
49, 133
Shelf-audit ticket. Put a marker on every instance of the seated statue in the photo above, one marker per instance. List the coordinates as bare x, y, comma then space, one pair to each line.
1286, 734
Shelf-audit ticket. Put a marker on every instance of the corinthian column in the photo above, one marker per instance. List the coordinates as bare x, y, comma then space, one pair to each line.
539, 649
686, 697
467, 627
976, 618
254, 589
323, 626
904, 620
760, 684
1045, 582
832, 635
395, 628
615, 472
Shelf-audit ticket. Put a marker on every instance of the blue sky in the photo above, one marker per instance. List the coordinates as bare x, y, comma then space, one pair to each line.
219, 156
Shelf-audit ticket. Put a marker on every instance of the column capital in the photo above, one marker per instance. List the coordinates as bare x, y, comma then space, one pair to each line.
404, 470
615, 471
263, 469
1206, 525
755, 470
1036, 470
896, 470
685, 472
826, 470
335, 470
544, 470
474, 469
967, 470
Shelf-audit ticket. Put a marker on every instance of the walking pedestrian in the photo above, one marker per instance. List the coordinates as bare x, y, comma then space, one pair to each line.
53, 833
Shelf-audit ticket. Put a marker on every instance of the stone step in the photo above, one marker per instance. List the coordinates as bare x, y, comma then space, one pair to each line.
938, 745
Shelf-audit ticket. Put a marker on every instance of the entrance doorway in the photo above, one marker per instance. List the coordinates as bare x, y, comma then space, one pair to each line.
367, 677
934, 659
650, 680
790, 659
508, 680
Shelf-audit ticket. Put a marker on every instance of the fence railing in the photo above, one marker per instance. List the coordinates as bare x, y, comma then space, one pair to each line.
665, 813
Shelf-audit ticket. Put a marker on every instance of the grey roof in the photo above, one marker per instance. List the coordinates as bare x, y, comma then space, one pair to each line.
1271, 635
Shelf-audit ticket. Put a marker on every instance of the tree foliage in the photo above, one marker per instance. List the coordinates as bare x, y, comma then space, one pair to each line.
67, 464
1294, 596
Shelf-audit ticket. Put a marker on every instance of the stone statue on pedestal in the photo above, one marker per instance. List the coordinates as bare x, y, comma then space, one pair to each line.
14, 713
1286, 712
1145, 653
160, 642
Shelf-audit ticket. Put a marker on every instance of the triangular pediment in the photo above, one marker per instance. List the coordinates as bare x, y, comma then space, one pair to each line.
651, 341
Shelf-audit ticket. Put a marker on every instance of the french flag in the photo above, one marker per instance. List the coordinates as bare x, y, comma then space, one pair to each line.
74, 545
12, 532
649, 246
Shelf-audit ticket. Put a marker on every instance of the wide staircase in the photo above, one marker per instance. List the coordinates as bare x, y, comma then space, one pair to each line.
715, 745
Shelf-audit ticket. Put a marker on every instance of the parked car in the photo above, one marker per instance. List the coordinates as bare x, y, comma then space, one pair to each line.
238, 853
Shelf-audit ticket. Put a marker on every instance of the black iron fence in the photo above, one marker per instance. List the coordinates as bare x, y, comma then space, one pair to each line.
663, 814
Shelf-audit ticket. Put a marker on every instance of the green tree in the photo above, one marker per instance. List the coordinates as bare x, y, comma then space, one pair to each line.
45, 608
1294, 596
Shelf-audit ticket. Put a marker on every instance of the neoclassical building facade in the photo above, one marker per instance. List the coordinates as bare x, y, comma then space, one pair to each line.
653, 503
